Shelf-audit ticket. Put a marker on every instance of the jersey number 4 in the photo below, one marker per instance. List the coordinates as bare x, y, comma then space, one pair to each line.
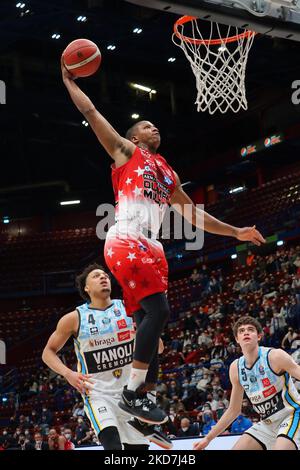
91, 319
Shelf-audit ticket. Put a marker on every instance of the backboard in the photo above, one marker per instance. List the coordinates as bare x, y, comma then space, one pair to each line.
276, 18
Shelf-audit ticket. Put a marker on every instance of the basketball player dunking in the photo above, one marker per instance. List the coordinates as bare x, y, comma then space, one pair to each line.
144, 184
265, 375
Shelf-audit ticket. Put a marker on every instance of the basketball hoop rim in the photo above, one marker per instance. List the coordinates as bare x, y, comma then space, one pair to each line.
207, 42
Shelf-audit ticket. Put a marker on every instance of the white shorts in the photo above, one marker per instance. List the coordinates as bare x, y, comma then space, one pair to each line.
103, 412
266, 434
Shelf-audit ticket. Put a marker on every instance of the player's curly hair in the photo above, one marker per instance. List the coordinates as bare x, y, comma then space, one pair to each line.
80, 281
247, 320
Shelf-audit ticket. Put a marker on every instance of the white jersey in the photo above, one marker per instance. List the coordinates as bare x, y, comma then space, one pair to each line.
104, 347
272, 395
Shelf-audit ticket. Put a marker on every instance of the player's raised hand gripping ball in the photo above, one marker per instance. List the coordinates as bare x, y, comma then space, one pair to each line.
82, 58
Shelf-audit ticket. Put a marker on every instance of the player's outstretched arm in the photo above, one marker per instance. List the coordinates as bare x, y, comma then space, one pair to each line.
66, 326
119, 148
183, 204
230, 414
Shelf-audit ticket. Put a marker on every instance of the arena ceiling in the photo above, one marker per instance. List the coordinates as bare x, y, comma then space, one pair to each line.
47, 153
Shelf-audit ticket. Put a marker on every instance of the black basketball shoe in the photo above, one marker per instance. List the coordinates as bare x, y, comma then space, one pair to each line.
151, 432
137, 404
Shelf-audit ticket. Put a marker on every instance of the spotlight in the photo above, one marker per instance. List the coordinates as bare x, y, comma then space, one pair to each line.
69, 203
171, 59
144, 88
111, 47
135, 116
280, 242
234, 256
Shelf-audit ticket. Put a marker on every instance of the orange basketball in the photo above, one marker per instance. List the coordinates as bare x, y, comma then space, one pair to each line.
82, 58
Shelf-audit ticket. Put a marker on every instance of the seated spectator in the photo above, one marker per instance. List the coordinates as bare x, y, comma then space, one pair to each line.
187, 429
69, 444
162, 401
240, 304
39, 443
174, 389
210, 404
161, 387
90, 438
288, 339
34, 418
237, 285
222, 398
195, 276
45, 428
216, 363
204, 339
48, 416
79, 410
208, 422
241, 424
250, 258
189, 322
220, 410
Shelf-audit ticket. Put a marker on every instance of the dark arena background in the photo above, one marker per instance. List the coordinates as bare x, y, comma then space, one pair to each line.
244, 167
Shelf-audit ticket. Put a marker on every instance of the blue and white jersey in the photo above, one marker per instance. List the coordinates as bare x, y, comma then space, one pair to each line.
104, 346
272, 395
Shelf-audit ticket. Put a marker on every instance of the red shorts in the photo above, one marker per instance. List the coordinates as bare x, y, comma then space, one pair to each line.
140, 267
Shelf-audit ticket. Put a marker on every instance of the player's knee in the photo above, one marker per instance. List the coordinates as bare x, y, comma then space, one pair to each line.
110, 438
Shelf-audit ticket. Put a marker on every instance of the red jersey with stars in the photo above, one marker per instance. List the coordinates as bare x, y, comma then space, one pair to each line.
143, 188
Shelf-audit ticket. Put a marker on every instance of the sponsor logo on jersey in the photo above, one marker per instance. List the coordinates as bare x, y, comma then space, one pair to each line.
123, 335
117, 312
266, 382
105, 321
132, 284
101, 342
102, 409
147, 168
94, 330
142, 247
113, 357
253, 379
256, 398
117, 373
147, 261
168, 180
269, 391
122, 324
261, 370
269, 407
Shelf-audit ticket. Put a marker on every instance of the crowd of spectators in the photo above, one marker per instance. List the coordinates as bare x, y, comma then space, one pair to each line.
193, 386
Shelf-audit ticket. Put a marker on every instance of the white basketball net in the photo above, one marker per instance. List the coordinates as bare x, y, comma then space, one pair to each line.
219, 68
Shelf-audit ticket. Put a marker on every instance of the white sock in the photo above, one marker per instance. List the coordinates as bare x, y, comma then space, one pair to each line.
137, 377
151, 395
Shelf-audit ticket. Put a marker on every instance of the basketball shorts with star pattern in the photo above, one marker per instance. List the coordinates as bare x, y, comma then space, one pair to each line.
139, 265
